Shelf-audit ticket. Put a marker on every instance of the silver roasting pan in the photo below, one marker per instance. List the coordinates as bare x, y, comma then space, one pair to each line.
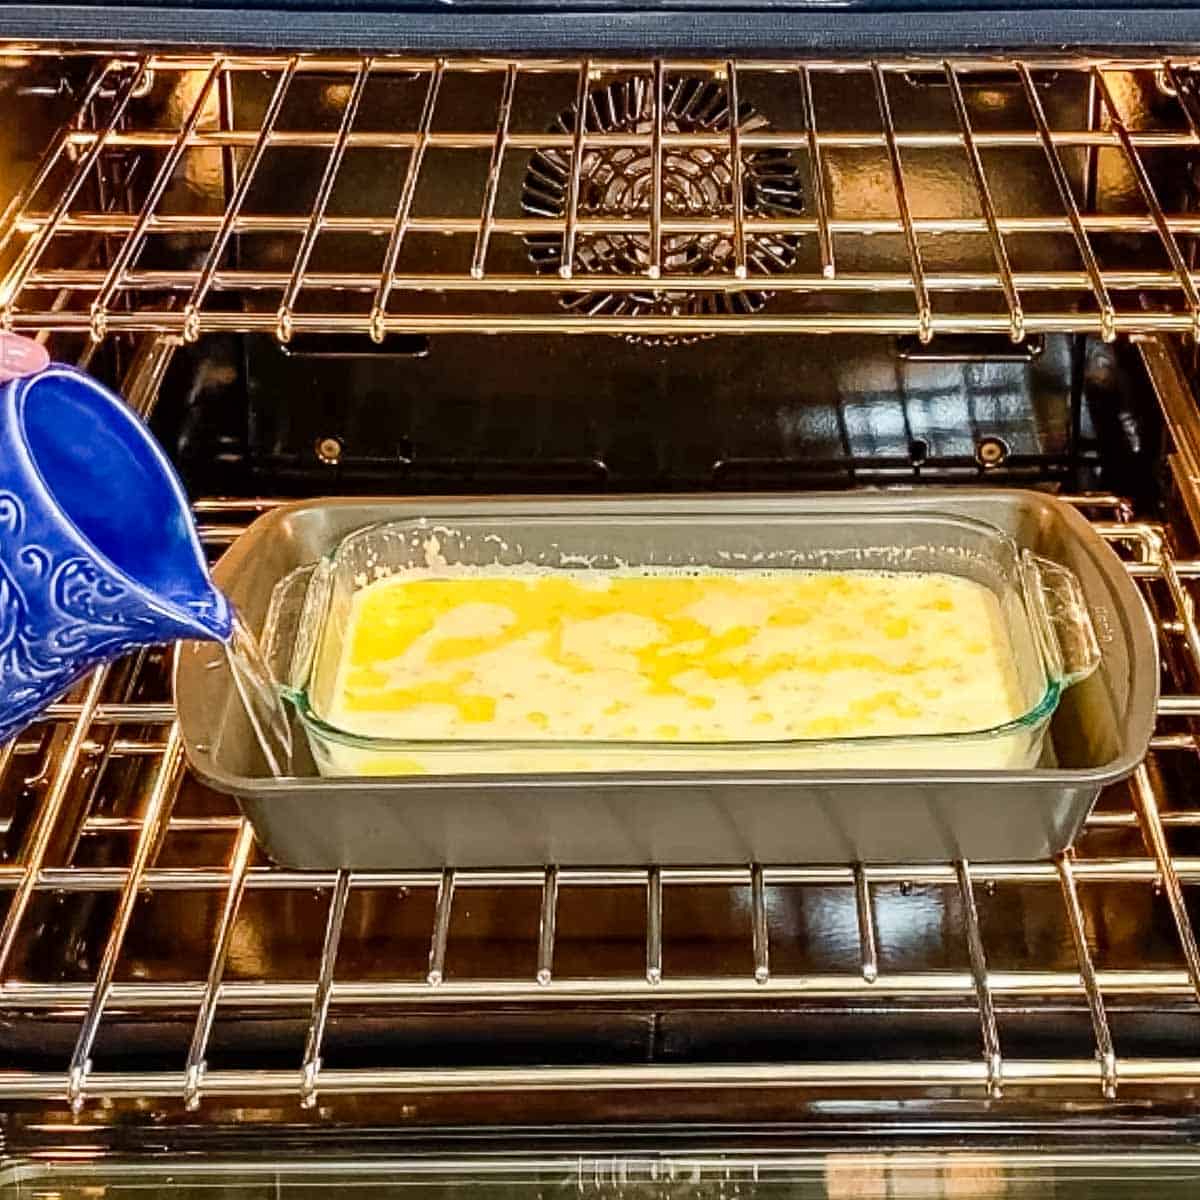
1099, 733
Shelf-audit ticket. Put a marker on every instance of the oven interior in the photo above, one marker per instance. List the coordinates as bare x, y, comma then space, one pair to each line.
320, 275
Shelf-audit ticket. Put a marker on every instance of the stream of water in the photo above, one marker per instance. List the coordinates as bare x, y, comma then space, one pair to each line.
260, 697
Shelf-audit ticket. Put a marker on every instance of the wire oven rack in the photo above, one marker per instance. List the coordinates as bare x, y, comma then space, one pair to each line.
444, 196
101, 729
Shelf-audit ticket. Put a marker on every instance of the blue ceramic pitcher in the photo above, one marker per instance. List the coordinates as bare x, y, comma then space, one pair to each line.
98, 553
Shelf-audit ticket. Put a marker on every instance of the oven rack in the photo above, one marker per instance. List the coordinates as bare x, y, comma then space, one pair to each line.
89, 726
623, 235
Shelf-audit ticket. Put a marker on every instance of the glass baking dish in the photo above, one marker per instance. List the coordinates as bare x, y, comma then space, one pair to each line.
1041, 603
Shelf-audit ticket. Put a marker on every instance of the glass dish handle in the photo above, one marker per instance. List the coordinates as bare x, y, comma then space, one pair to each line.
293, 623
1069, 638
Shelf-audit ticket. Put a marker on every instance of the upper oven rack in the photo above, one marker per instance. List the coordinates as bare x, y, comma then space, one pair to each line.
93, 727
645, 211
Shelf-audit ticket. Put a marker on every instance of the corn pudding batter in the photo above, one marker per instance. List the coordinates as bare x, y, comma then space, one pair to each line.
671, 656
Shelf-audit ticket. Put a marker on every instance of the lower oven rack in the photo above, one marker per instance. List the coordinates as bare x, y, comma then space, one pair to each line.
92, 727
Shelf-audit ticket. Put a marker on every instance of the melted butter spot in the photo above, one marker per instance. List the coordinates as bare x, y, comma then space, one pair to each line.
826, 727
476, 708
469, 706
869, 706
366, 679
791, 614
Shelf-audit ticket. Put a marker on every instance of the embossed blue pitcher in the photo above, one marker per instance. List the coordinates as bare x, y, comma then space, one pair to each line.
98, 553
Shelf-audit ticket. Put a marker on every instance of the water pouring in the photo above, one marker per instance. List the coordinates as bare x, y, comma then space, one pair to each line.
98, 551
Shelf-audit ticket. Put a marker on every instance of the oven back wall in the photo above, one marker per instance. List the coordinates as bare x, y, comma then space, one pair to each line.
471, 414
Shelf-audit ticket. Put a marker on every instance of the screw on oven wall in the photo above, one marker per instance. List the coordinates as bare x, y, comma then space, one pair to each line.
991, 451
329, 450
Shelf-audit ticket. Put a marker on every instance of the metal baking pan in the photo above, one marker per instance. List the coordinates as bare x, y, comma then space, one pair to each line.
1099, 733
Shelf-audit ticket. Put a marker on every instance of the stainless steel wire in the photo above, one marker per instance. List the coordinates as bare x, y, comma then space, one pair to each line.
192, 300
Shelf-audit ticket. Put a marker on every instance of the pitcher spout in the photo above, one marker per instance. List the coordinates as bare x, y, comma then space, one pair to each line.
212, 617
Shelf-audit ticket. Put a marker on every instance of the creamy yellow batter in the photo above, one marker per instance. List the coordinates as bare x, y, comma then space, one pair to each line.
669, 657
